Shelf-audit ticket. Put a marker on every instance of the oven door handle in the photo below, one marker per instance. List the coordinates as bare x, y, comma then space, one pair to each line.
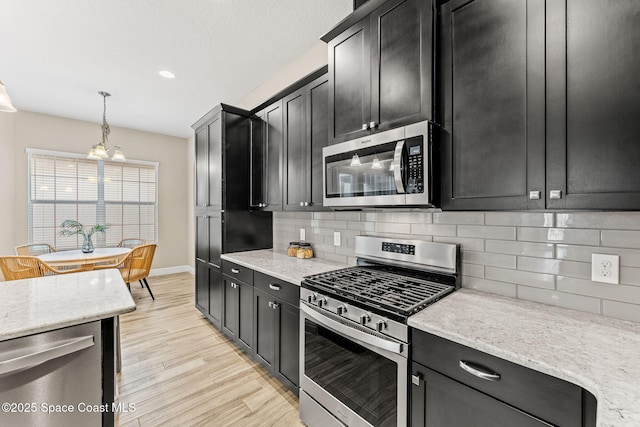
397, 167
373, 340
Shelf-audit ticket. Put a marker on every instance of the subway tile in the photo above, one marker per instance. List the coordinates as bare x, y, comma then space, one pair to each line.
404, 217
630, 276
347, 215
538, 280
333, 224
324, 215
540, 250
466, 243
559, 235
345, 250
322, 231
487, 232
599, 220
398, 236
388, 227
560, 299
520, 219
433, 229
555, 266
361, 225
473, 270
369, 216
621, 239
622, 293
351, 260
323, 247
621, 310
628, 257
458, 218
484, 285
336, 258
494, 260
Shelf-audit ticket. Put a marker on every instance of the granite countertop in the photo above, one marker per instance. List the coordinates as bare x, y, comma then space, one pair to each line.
600, 354
281, 266
43, 304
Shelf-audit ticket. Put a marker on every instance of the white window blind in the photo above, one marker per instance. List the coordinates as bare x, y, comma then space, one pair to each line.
68, 186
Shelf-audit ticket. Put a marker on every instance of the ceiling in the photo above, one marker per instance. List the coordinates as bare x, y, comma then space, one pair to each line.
56, 55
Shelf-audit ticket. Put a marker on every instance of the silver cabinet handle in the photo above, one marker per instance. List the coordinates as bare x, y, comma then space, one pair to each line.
274, 287
477, 371
415, 379
301, 203
270, 304
365, 126
372, 125
555, 194
235, 271
40, 356
275, 305
534, 195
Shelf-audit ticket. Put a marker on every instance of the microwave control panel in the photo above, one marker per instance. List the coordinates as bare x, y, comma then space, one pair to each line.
415, 166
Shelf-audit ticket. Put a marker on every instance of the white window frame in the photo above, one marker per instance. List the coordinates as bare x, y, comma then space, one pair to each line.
99, 238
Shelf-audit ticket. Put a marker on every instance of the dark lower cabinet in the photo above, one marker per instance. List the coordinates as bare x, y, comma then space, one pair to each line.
237, 309
288, 342
215, 296
456, 386
265, 330
202, 287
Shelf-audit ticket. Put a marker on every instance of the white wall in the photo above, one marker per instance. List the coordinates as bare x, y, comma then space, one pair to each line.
24, 129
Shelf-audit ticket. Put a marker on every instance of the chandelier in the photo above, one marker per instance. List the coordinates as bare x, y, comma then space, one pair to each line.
101, 151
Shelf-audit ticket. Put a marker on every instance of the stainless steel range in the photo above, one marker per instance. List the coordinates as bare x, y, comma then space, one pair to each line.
354, 335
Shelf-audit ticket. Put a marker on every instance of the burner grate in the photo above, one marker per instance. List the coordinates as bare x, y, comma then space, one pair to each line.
397, 292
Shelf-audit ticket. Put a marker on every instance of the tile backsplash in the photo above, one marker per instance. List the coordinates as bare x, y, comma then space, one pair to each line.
536, 256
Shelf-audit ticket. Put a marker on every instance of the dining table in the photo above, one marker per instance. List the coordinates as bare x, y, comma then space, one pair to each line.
87, 261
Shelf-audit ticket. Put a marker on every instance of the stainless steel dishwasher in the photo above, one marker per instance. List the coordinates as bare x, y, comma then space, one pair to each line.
52, 378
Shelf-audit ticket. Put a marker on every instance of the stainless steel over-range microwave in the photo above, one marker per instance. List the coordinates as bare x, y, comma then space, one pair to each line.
391, 168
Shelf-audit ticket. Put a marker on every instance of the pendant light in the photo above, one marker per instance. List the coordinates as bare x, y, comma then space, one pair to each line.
355, 161
101, 151
5, 101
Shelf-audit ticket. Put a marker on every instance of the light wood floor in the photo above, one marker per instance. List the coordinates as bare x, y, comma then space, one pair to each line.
179, 370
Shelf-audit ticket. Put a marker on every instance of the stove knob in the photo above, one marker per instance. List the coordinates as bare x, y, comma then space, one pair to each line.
340, 310
312, 298
321, 302
380, 325
364, 318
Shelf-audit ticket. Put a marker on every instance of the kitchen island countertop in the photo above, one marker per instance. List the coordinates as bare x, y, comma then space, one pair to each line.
281, 266
600, 354
42, 304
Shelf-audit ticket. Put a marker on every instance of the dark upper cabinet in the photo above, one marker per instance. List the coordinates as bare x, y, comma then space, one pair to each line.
305, 134
593, 105
381, 69
492, 142
538, 104
267, 138
202, 167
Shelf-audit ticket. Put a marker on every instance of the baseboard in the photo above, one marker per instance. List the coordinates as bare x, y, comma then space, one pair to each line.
172, 270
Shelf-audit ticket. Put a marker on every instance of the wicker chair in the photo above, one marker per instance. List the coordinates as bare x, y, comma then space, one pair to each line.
34, 249
131, 243
27, 267
136, 265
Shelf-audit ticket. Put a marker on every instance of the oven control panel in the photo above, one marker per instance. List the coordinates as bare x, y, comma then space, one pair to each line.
399, 248
415, 168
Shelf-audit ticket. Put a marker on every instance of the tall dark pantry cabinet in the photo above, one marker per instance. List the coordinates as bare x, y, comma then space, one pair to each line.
223, 222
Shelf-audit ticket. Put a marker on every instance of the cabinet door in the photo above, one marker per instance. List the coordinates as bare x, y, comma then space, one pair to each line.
257, 164
245, 317
401, 63
202, 286
202, 167
437, 400
215, 296
349, 83
296, 152
288, 345
264, 329
593, 105
274, 141
215, 238
317, 134
215, 163
230, 308
202, 238
493, 100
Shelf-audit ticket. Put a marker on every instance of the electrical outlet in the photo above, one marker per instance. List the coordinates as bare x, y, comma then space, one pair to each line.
605, 268
336, 238
302, 234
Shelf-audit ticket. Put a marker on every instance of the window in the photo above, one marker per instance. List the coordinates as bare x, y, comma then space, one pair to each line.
68, 186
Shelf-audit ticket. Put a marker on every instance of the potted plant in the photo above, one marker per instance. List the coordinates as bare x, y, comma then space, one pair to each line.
72, 228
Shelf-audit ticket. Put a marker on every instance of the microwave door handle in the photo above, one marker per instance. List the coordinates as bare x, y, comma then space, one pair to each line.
397, 167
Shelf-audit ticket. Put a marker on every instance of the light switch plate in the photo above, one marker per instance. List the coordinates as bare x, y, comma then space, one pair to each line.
605, 268
336, 238
302, 234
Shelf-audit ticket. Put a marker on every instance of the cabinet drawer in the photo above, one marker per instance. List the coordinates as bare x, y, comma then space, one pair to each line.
552, 399
278, 288
238, 272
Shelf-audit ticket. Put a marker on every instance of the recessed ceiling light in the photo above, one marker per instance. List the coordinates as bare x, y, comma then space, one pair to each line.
166, 74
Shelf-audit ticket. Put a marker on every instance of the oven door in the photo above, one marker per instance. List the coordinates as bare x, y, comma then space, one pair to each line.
350, 375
